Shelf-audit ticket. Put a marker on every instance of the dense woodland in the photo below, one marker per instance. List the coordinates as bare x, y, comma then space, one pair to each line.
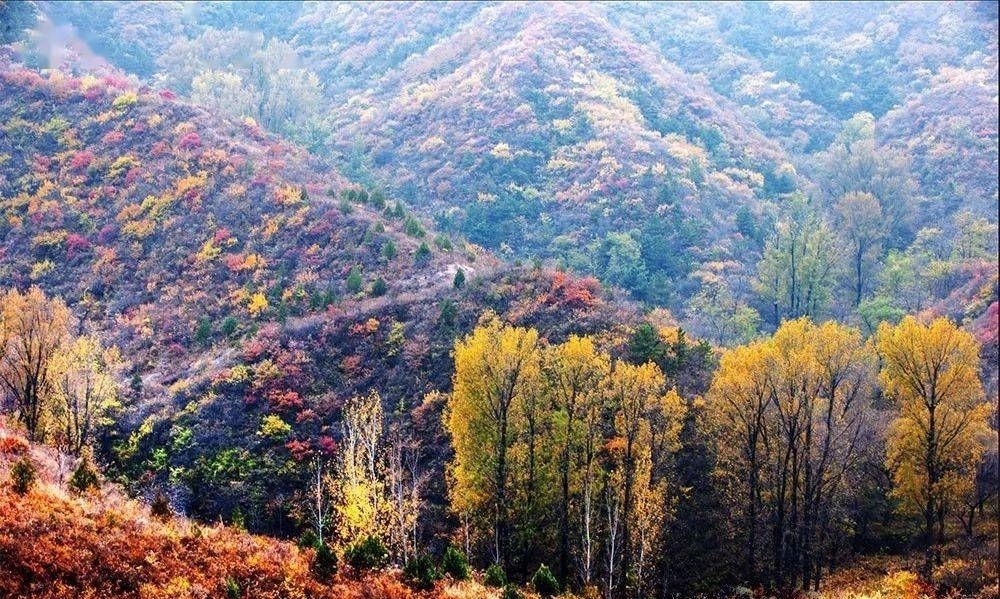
610, 300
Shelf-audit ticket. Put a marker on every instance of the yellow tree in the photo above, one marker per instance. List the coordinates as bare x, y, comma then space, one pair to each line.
359, 488
32, 329
787, 414
934, 443
86, 392
573, 372
739, 405
497, 366
636, 395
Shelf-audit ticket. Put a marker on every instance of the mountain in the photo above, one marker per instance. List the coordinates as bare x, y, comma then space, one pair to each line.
306, 223
642, 143
216, 257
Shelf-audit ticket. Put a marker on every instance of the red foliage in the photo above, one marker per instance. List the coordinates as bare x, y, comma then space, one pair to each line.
40, 164
572, 293
116, 81
75, 244
327, 445
113, 137
351, 365
189, 141
133, 175
300, 450
166, 94
13, 446
285, 399
81, 160
221, 235
54, 548
159, 149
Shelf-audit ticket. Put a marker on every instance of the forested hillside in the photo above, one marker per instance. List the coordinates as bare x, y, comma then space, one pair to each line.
507, 299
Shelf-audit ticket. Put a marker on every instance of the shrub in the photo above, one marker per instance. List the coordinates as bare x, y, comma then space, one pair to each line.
510, 592
84, 477
495, 576
459, 280
160, 508
232, 588
389, 250
379, 287
455, 564
13, 445
324, 563
309, 540
354, 280
420, 572
443, 243
229, 325
367, 554
23, 475
545, 582
423, 254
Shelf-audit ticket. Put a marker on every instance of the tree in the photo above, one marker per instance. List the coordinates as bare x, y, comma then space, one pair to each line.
32, 330
496, 369
16, 18
787, 414
635, 393
573, 373
859, 220
86, 391
795, 273
855, 163
934, 446
354, 281
359, 485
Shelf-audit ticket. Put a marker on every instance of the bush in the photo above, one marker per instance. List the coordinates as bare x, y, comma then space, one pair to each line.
84, 477
423, 254
309, 540
354, 280
13, 445
495, 576
545, 582
510, 592
379, 287
233, 588
389, 250
459, 280
23, 475
367, 554
324, 564
455, 564
421, 573
160, 508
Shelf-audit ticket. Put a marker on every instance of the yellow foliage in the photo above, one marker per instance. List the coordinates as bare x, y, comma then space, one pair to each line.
191, 182
49, 239
258, 303
124, 101
41, 268
209, 252
936, 441
139, 229
288, 195
502, 151
121, 165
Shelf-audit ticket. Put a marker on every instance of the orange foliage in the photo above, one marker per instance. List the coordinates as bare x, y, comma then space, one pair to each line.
55, 547
572, 293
